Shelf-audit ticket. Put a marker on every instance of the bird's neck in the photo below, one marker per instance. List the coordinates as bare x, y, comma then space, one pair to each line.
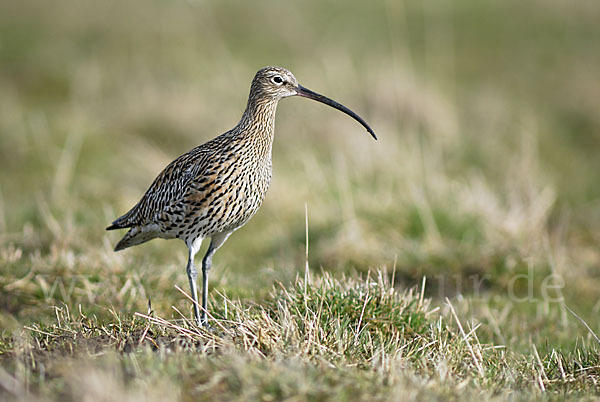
258, 124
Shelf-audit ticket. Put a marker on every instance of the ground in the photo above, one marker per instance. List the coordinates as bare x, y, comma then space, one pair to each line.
455, 257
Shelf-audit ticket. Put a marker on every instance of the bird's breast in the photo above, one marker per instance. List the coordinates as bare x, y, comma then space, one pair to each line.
243, 191
254, 185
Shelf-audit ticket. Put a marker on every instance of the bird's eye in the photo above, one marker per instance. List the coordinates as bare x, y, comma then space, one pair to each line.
277, 80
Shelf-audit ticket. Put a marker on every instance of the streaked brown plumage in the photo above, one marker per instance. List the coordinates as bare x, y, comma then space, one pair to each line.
216, 187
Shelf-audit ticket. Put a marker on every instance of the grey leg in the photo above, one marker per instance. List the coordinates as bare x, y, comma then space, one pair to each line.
216, 241
192, 273
206, 265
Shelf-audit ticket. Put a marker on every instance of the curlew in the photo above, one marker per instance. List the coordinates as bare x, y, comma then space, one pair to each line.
215, 188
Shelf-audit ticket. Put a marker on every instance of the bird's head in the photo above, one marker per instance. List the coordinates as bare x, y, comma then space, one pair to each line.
275, 83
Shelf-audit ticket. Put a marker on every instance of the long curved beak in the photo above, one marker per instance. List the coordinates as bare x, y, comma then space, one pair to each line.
307, 93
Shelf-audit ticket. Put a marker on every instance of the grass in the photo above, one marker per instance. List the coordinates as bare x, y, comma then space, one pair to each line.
346, 339
483, 182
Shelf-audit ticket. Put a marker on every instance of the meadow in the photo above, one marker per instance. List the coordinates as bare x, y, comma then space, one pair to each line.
456, 257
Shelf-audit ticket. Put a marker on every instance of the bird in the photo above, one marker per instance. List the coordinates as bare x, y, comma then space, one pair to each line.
215, 188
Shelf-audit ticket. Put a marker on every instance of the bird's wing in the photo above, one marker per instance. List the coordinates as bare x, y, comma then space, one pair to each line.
169, 187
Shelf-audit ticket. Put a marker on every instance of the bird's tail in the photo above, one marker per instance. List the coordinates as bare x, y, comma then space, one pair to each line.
135, 236
125, 221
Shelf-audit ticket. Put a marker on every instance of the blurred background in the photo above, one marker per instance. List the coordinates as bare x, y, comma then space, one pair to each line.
487, 163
